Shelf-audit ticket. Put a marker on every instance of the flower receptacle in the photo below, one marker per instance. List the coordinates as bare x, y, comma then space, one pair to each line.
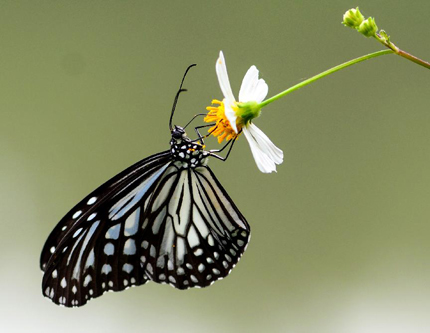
247, 111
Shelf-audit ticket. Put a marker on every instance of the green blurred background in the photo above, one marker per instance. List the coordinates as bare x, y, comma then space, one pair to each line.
340, 235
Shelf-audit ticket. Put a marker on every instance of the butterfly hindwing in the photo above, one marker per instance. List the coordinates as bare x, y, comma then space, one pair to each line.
193, 234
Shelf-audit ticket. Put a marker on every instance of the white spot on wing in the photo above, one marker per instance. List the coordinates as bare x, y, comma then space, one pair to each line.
87, 280
113, 232
132, 223
127, 268
211, 240
193, 238
209, 260
180, 271
152, 251
106, 269
92, 200
130, 247
180, 250
160, 262
109, 249
90, 259
77, 214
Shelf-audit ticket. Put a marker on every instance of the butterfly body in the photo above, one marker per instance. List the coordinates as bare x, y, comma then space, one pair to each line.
166, 219
184, 150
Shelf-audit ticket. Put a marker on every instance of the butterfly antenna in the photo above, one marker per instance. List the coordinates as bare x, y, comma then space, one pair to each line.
177, 96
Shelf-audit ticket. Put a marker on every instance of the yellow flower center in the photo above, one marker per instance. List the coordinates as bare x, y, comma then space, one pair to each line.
222, 128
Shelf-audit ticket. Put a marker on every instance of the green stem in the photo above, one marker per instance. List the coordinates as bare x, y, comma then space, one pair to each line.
323, 74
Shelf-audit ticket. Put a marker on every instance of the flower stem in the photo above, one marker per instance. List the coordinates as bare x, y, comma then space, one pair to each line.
323, 74
416, 60
400, 52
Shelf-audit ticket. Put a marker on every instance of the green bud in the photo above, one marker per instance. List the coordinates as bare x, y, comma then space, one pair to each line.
384, 36
368, 27
352, 18
247, 111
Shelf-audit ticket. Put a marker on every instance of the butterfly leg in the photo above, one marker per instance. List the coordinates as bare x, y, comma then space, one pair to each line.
201, 137
229, 143
197, 115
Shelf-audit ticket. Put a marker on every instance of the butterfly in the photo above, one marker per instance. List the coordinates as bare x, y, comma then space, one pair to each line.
165, 219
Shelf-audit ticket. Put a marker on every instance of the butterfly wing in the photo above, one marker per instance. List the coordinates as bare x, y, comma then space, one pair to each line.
80, 258
163, 222
193, 234
98, 197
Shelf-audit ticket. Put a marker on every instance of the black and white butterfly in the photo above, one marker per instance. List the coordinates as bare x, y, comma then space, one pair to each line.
166, 219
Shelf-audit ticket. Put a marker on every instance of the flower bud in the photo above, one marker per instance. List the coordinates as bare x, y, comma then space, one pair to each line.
352, 18
368, 27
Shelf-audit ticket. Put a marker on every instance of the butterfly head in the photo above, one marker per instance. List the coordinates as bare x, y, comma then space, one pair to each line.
178, 133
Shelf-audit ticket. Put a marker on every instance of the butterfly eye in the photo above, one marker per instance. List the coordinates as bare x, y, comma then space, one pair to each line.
178, 132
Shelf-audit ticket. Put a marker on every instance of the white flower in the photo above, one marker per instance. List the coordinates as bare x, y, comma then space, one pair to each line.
253, 89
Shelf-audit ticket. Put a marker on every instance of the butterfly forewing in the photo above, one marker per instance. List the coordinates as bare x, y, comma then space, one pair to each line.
92, 256
165, 219
91, 203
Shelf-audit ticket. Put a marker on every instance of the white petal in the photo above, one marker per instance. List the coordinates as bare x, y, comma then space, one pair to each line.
252, 88
264, 163
224, 83
267, 146
266, 154
261, 91
248, 84
230, 113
